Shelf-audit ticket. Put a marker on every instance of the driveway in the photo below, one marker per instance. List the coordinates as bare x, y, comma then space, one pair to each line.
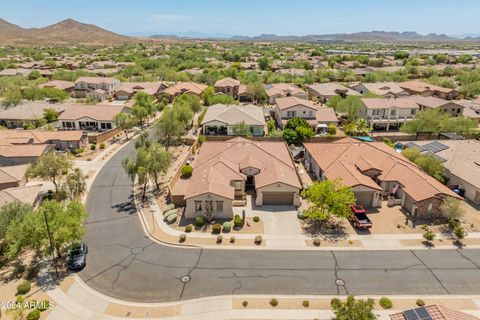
125, 264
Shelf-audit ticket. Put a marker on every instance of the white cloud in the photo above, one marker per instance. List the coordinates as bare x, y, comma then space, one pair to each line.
170, 17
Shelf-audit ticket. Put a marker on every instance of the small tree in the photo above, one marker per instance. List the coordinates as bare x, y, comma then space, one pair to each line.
353, 309
297, 130
168, 128
327, 198
429, 236
459, 232
137, 165
50, 115
125, 122
51, 166
159, 162
55, 95
75, 184
452, 208
241, 129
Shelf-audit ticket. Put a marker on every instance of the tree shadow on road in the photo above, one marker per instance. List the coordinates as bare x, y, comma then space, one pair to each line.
333, 229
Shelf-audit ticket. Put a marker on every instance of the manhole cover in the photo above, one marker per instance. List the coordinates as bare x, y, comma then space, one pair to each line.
185, 279
339, 282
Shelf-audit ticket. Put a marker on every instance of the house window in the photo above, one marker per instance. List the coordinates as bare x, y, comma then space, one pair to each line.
376, 112
198, 206
458, 110
220, 206
412, 112
310, 113
291, 114
393, 112
238, 185
109, 125
102, 125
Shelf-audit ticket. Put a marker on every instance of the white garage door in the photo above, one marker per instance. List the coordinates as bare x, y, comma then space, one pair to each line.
364, 198
278, 198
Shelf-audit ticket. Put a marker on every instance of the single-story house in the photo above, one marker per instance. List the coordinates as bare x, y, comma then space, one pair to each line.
15, 72
13, 176
17, 154
128, 89
221, 119
224, 170
426, 89
432, 312
374, 170
67, 86
461, 160
25, 194
280, 90
62, 140
96, 117
382, 89
325, 91
183, 87
28, 112
471, 109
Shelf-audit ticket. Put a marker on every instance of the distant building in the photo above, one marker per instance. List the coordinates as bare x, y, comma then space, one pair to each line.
221, 119
386, 114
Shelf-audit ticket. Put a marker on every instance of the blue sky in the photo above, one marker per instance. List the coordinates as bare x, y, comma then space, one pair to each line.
252, 17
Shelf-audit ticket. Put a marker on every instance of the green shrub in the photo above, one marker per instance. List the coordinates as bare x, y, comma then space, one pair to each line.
188, 228
256, 219
332, 129
245, 303
335, 302
187, 171
23, 288
219, 239
182, 237
316, 241
93, 146
201, 139
274, 302
258, 240
420, 303
385, 303
306, 303
79, 151
237, 221
199, 221
102, 145
217, 228
453, 223
227, 226
33, 315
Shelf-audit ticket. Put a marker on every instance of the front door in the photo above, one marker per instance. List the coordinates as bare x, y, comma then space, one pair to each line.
250, 182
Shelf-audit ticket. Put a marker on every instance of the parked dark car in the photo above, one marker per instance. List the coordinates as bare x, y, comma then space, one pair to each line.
77, 257
359, 217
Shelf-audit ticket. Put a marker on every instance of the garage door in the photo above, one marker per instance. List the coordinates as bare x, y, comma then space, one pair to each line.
278, 198
364, 198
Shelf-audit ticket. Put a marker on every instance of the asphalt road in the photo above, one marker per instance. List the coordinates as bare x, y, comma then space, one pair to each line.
125, 264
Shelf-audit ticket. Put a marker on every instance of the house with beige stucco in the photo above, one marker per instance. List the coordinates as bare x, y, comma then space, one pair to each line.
224, 171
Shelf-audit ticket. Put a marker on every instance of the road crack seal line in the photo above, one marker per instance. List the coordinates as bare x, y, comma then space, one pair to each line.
189, 274
467, 258
339, 282
431, 272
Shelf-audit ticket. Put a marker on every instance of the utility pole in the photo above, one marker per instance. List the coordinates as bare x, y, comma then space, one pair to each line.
52, 248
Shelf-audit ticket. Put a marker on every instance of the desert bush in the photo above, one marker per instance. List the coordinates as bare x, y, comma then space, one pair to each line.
420, 302
33, 315
245, 303
232, 239
183, 237
227, 226
306, 303
187, 171
23, 288
237, 221
256, 219
274, 302
385, 303
217, 228
188, 228
219, 239
258, 240
199, 221
102, 145
316, 241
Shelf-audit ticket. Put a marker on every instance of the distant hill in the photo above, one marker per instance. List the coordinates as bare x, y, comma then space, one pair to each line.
66, 32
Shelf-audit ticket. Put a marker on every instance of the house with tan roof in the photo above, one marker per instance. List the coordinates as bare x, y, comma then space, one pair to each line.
221, 119
228, 86
385, 114
28, 112
24, 194
84, 117
381, 89
471, 109
324, 91
428, 90
128, 89
375, 171
447, 106
13, 176
17, 154
61, 140
10, 72
98, 88
180, 88
67, 86
280, 90
224, 170
461, 160
291, 107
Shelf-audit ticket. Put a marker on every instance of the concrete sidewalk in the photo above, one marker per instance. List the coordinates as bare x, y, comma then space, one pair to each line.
77, 301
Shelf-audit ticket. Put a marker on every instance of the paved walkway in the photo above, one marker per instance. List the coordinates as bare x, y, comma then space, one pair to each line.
74, 300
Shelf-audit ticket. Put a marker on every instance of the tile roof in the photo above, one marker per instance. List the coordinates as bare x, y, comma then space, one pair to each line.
97, 80
151, 88
430, 102
232, 114
227, 82
37, 136
331, 89
23, 194
23, 150
283, 89
289, 102
96, 112
374, 155
438, 312
11, 174
59, 84
220, 162
182, 87
384, 103
382, 88
31, 110
419, 86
